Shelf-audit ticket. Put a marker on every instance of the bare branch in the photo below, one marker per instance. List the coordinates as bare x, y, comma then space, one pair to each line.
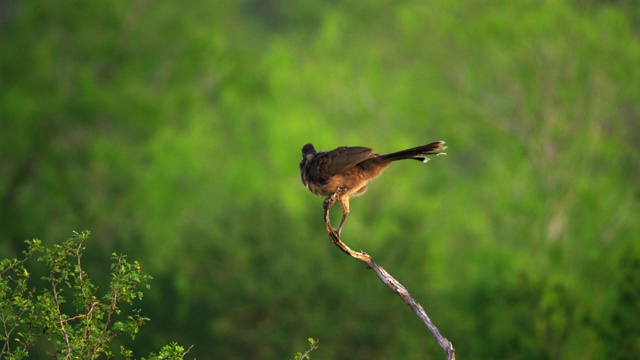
387, 279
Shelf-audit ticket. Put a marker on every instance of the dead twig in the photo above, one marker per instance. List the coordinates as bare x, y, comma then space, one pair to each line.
387, 279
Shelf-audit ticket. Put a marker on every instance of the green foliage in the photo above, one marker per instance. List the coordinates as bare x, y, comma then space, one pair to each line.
69, 316
174, 133
313, 344
172, 351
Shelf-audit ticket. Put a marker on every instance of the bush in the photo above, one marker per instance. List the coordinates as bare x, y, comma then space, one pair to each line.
68, 318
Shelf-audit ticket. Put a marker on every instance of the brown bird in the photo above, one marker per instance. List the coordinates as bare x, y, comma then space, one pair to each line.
345, 171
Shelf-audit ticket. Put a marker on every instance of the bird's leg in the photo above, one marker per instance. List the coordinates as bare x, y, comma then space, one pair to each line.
328, 202
344, 203
336, 194
326, 205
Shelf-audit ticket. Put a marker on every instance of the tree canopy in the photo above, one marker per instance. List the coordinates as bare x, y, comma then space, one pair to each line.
173, 132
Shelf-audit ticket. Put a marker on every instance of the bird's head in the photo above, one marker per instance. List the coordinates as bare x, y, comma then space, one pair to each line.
308, 151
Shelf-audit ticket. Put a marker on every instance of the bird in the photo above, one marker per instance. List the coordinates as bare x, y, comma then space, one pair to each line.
345, 171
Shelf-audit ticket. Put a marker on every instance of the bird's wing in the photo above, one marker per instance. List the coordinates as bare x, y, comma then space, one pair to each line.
340, 159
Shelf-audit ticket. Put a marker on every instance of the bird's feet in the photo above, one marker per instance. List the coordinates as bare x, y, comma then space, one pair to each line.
335, 233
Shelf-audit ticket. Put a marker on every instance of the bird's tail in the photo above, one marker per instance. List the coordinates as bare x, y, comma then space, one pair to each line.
417, 153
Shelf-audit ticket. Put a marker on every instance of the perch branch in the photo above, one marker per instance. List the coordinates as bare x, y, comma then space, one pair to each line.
386, 279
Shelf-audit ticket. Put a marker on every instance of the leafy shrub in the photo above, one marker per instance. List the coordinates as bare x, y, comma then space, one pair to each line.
65, 314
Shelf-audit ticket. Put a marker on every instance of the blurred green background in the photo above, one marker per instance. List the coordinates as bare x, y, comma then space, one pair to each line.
173, 131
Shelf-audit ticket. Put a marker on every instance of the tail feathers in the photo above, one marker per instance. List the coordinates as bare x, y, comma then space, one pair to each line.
417, 153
